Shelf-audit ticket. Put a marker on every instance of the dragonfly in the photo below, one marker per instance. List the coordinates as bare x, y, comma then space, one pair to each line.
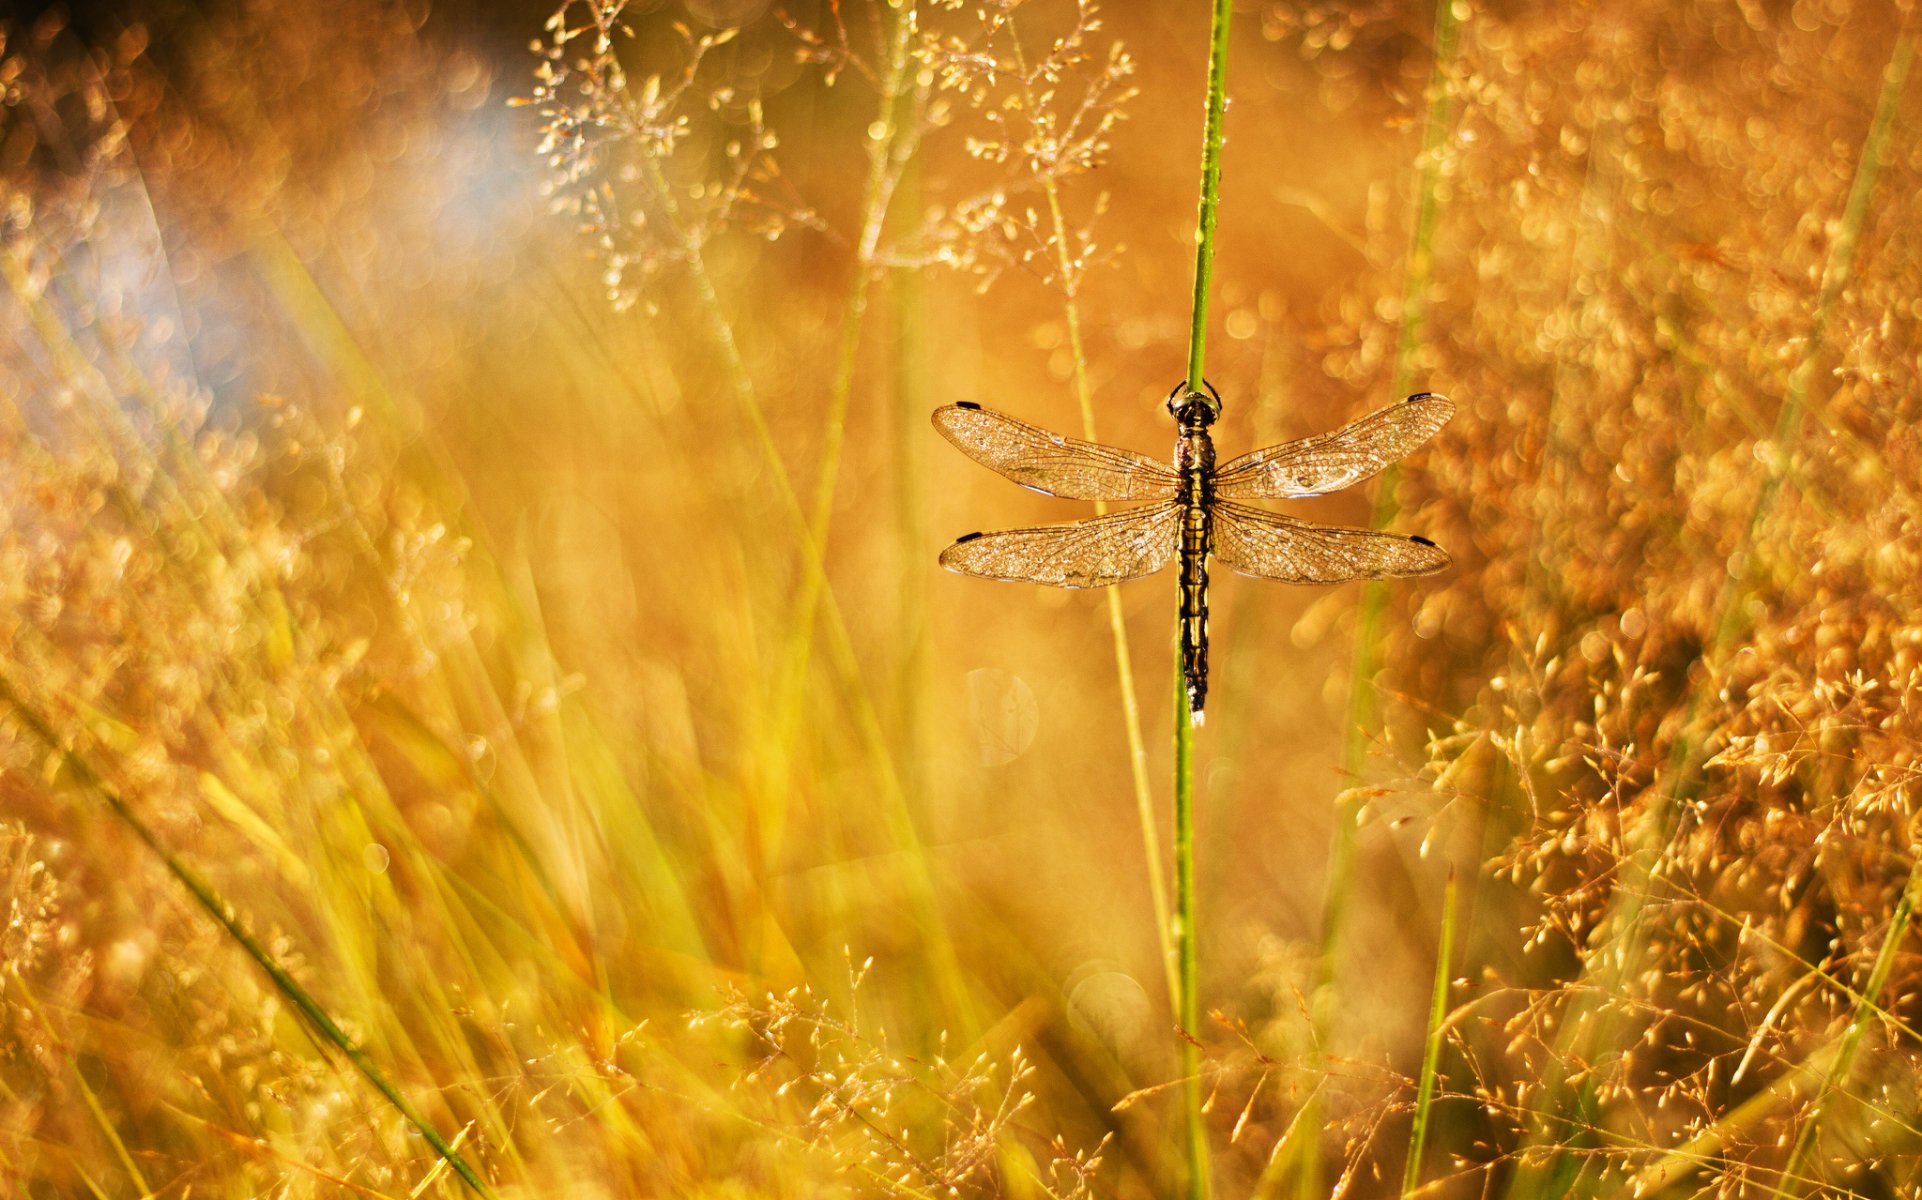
1194, 510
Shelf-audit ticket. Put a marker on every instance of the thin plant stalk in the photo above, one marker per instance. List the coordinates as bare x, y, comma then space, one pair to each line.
1431, 1053
1822, 1071
1867, 1009
1818, 1071
1363, 711
908, 293
876, 192
886, 156
1117, 626
948, 975
95, 1109
1362, 708
220, 910
1188, 996
1187, 966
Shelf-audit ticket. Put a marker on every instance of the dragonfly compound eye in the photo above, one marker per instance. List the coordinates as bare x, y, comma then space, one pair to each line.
1190, 406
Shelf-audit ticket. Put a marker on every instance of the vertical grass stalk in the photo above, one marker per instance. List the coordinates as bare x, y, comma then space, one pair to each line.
1431, 1052
1362, 708
1117, 627
1867, 1008
1189, 1006
1363, 711
948, 975
876, 192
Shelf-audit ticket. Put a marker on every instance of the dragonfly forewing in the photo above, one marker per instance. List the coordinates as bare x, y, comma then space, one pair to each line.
1078, 554
1270, 546
1050, 463
1329, 462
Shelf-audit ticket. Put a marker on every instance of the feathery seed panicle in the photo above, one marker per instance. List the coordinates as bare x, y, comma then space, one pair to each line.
650, 167
1042, 117
1696, 702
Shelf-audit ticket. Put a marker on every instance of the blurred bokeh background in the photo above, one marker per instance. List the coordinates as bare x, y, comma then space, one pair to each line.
469, 498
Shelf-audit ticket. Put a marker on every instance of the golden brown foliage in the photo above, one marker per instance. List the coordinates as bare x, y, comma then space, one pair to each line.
459, 627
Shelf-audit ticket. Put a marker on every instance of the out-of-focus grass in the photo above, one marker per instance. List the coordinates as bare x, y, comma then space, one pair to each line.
443, 616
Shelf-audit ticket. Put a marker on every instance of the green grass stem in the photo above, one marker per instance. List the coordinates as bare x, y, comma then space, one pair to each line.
98, 1111
1431, 1051
1117, 625
1363, 710
1187, 966
1867, 1010
876, 191
1210, 190
210, 902
950, 983
1187, 961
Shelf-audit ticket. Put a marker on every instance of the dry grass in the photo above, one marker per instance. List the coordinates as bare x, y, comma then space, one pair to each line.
562, 692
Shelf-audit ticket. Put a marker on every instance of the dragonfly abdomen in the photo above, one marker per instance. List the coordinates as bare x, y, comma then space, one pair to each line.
1195, 533
1195, 459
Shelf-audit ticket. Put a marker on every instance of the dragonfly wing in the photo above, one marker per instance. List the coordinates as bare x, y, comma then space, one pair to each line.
1079, 554
1052, 464
1270, 546
1329, 462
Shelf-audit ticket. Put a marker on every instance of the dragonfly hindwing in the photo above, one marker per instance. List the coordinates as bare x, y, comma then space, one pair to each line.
1092, 553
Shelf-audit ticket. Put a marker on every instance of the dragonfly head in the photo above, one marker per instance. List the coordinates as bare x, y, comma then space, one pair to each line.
1191, 407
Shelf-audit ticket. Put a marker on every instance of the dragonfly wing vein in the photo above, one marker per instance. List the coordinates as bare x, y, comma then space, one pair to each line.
1078, 554
1050, 463
1329, 462
1270, 546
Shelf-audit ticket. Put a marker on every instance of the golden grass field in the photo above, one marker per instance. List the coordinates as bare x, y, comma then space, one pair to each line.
473, 664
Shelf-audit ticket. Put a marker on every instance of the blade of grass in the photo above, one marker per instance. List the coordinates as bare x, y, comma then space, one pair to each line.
1363, 712
1117, 626
177, 481
876, 192
94, 1107
949, 979
1187, 972
911, 370
1431, 1054
210, 901
1210, 192
1867, 1008
1188, 1006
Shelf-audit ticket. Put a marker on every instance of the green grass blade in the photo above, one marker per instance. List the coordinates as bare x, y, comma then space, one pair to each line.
1431, 1052
1210, 190
950, 982
1189, 1008
1362, 709
1363, 712
1117, 627
223, 912
1867, 1009
876, 193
